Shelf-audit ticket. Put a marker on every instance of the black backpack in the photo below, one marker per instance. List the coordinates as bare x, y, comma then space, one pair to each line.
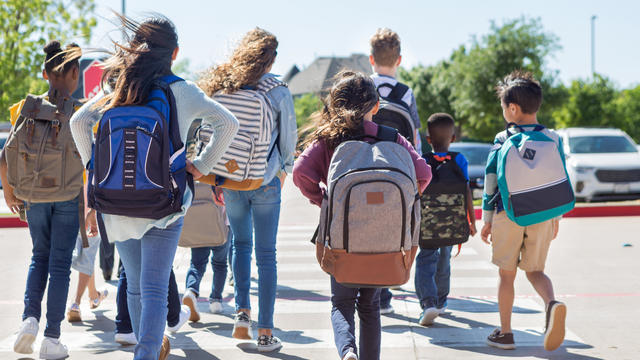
444, 204
394, 112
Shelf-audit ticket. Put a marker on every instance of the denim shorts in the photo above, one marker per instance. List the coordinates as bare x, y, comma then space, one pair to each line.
84, 258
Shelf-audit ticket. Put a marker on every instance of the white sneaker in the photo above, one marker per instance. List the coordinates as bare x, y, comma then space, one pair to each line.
26, 336
191, 300
53, 349
428, 315
387, 310
350, 355
126, 339
215, 307
185, 313
268, 343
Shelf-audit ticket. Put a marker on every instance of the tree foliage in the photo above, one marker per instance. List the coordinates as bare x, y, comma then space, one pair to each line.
304, 106
25, 27
464, 84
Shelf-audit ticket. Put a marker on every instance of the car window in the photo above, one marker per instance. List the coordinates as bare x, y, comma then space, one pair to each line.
2, 141
600, 144
476, 155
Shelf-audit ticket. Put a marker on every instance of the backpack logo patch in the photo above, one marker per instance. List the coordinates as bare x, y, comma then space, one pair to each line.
374, 198
232, 166
529, 154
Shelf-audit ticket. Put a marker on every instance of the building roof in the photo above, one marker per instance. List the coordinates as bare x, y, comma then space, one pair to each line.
317, 77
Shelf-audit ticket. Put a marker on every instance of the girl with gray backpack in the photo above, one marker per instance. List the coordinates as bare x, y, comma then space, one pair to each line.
342, 248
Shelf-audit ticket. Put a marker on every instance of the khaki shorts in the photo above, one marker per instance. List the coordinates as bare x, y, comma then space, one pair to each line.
515, 246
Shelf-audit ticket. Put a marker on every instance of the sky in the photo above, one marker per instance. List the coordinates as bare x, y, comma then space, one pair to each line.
429, 30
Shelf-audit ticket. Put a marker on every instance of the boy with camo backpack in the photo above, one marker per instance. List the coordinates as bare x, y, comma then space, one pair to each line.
447, 217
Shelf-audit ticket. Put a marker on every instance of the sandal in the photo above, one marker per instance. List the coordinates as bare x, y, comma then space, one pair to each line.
97, 301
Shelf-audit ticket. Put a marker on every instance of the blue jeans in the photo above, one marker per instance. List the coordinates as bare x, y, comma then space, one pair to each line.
54, 227
385, 298
147, 263
433, 275
123, 320
345, 301
260, 210
219, 258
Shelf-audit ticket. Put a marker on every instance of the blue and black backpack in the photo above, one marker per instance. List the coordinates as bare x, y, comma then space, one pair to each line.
138, 164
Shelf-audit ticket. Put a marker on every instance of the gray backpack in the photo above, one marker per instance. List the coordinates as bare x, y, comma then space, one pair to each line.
369, 221
204, 222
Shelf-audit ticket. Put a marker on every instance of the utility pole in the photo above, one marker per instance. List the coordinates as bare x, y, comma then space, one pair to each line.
593, 45
124, 7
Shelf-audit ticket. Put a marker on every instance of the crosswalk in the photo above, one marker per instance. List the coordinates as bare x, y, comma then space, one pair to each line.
302, 312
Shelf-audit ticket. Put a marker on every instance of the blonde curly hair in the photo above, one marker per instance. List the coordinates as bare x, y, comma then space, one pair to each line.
385, 47
250, 60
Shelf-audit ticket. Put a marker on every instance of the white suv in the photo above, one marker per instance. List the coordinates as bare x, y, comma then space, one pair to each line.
603, 164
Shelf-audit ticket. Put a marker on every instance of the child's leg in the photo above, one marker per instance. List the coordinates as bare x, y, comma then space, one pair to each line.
443, 276
219, 257
173, 301
506, 294
123, 321
542, 284
93, 292
343, 300
370, 329
83, 281
426, 264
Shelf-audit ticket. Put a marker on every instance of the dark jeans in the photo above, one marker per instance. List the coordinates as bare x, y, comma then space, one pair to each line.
123, 321
345, 302
385, 298
199, 259
107, 256
54, 227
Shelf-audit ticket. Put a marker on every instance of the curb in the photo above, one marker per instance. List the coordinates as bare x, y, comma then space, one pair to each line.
579, 211
593, 211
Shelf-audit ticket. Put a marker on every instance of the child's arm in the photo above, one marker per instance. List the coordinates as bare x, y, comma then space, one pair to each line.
471, 213
423, 171
308, 172
490, 189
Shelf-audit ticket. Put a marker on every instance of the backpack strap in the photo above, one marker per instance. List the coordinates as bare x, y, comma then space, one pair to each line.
398, 92
270, 83
164, 83
386, 133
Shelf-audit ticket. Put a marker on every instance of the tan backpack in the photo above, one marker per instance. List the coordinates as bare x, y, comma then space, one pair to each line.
43, 162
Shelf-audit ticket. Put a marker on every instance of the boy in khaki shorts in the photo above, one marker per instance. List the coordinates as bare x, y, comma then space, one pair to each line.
513, 245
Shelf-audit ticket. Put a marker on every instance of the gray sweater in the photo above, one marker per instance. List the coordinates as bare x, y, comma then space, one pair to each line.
191, 103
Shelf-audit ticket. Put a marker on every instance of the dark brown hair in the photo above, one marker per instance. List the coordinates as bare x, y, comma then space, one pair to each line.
385, 47
58, 61
351, 97
134, 66
250, 60
441, 126
522, 89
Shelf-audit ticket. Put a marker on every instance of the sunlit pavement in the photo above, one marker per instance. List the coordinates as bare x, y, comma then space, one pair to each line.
593, 272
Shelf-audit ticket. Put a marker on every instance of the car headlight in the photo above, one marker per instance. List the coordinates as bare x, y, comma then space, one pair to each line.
583, 169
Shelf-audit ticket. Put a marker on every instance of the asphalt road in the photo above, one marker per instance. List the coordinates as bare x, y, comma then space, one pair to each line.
593, 272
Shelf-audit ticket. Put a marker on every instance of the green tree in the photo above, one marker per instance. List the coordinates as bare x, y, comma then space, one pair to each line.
182, 68
627, 108
464, 84
304, 106
590, 103
25, 27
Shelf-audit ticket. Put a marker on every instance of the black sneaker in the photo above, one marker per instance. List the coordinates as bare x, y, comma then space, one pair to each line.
268, 343
554, 326
501, 341
242, 326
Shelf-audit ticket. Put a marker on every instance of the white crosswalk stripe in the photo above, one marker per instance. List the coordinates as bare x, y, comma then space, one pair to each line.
302, 309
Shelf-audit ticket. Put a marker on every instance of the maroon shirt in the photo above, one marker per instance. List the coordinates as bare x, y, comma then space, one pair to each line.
312, 167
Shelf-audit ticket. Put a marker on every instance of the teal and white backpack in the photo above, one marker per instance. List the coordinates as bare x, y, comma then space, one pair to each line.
532, 176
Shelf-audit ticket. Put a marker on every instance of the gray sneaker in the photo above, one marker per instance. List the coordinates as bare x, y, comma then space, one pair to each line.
501, 341
268, 343
555, 325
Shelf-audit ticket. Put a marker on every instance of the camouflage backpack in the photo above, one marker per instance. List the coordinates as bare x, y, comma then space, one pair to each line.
444, 204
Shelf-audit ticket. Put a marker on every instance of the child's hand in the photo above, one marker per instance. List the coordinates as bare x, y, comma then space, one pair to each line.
486, 233
472, 228
13, 203
92, 223
191, 169
218, 197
